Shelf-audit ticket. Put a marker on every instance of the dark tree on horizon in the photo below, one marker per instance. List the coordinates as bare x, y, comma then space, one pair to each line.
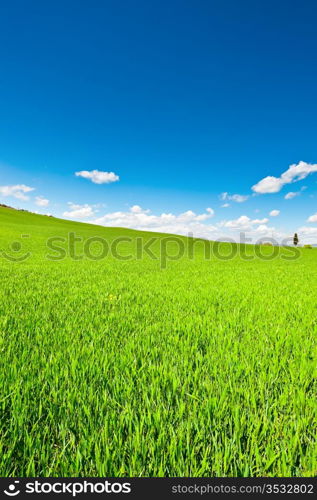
295, 239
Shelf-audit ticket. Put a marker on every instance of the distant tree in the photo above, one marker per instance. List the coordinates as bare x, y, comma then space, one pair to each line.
295, 239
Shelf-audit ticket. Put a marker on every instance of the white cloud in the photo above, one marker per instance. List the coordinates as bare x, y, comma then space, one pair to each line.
312, 218
263, 229
238, 198
41, 201
97, 176
79, 211
136, 209
17, 191
210, 213
291, 195
243, 223
256, 230
307, 235
274, 213
294, 173
225, 205
268, 185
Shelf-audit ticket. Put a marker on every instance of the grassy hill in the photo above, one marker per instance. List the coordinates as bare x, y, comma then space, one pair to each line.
128, 364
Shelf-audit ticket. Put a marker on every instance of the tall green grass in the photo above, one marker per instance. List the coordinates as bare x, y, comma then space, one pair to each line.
121, 368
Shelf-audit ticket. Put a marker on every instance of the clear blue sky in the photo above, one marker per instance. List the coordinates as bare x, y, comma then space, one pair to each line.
183, 100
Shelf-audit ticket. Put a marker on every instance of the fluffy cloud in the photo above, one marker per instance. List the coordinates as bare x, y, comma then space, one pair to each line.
79, 211
268, 185
136, 209
243, 223
238, 198
41, 201
274, 213
294, 173
312, 218
97, 176
18, 191
225, 205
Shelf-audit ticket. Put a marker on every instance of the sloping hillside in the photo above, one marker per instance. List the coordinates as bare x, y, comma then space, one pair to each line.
128, 364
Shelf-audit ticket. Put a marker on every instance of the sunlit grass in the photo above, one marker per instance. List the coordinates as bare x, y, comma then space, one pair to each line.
121, 368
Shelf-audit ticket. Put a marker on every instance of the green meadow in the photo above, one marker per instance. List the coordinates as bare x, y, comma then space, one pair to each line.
171, 364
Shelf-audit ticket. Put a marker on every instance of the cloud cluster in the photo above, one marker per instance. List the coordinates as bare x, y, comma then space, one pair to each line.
185, 223
17, 191
294, 173
138, 218
97, 176
188, 223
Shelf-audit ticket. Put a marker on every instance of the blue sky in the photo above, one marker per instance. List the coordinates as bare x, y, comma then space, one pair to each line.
182, 100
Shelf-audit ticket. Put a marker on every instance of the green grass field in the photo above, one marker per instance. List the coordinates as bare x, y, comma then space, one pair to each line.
123, 368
